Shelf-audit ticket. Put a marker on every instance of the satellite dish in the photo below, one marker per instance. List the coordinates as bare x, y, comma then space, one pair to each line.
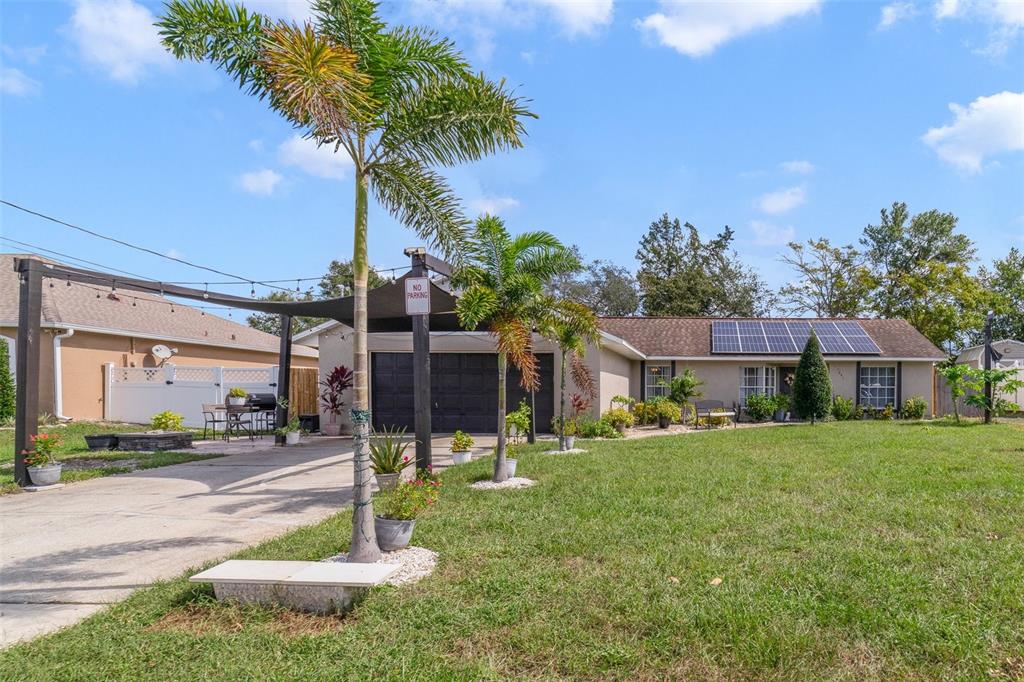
162, 352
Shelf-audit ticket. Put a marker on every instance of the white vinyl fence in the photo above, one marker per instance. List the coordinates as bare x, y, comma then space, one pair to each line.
135, 394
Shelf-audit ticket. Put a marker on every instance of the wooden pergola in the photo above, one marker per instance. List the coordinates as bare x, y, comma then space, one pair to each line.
386, 313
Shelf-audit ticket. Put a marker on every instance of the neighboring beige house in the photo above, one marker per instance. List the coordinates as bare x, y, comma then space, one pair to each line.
85, 328
1011, 354
636, 355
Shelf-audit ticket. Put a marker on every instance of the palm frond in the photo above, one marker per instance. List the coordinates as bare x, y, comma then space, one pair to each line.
223, 33
454, 120
476, 305
515, 339
581, 375
421, 199
313, 81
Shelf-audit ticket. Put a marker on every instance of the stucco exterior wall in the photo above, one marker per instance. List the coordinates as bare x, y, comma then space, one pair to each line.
918, 379
84, 354
616, 374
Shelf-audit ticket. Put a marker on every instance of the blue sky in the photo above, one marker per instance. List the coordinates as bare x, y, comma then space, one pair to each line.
784, 120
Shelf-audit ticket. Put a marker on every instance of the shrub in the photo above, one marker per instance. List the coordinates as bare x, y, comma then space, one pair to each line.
885, 414
167, 421
588, 427
461, 441
623, 400
407, 500
387, 451
520, 419
781, 402
715, 421
812, 388
914, 407
6, 384
618, 416
644, 413
339, 380
237, 393
842, 408
665, 408
760, 406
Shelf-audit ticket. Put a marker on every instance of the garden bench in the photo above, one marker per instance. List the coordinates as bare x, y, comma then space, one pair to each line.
712, 409
314, 586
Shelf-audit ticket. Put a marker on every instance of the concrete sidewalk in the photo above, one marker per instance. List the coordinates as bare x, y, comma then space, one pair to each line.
67, 553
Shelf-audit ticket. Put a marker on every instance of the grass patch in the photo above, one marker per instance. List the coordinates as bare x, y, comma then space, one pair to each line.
859, 550
82, 463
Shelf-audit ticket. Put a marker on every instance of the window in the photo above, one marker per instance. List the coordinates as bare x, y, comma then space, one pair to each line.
756, 380
655, 375
877, 387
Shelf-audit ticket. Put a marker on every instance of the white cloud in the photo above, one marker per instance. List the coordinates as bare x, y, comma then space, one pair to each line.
118, 36
14, 82
262, 182
797, 166
769, 234
944, 9
697, 28
580, 16
493, 205
293, 10
986, 127
321, 162
1005, 19
782, 200
528, 57
256, 145
894, 13
174, 253
30, 54
574, 17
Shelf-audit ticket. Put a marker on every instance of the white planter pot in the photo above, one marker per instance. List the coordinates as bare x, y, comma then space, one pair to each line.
292, 437
45, 475
570, 442
236, 401
461, 457
510, 464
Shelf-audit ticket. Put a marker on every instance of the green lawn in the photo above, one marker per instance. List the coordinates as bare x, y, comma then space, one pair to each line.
853, 550
75, 453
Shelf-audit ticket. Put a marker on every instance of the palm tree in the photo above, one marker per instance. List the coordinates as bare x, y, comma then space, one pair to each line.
573, 326
398, 101
502, 281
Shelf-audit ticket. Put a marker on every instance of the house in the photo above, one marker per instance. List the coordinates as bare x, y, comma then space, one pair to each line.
86, 328
1009, 355
873, 362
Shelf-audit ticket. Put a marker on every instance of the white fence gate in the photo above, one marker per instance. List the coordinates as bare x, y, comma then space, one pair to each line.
135, 394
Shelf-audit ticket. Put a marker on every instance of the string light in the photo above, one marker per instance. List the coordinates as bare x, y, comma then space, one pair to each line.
252, 291
206, 290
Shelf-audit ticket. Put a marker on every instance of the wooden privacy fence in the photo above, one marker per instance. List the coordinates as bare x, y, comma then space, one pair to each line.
944, 401
303, 391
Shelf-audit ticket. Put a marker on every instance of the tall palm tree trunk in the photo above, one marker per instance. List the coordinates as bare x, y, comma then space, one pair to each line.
364, 548
561, 408
500, 465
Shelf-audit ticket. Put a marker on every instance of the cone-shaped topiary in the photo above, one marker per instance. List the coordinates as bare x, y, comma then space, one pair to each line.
812, 389
6, 383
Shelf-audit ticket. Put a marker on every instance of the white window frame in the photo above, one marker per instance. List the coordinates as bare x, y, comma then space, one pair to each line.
651, 387
763, 379
876, 386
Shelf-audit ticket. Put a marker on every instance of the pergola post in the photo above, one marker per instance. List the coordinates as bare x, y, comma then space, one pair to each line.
421, 369
26, 409
284, 376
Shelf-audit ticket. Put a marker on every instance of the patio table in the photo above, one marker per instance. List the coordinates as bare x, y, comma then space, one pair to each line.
235, 421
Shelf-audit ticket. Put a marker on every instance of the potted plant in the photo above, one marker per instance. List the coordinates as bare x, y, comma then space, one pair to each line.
461, 443
781, 406
237, 396
291, 431
619, 417
566, 432
333, 387
517, 423
398, 508
665, 410
511, 460
43, 468
387, 456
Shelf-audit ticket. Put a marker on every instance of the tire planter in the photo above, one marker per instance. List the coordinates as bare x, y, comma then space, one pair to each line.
105, 441
510, 464
387, 481
292, 438
393, 534
330, 429
45, 475
461, 457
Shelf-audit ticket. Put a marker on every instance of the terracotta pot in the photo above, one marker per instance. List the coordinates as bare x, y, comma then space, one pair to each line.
331, 429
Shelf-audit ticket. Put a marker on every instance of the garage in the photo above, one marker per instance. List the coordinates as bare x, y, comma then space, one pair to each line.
464, 391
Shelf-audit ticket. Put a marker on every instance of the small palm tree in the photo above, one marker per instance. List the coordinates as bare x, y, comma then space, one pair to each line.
397, 101
573, 326
502, 280
683, 388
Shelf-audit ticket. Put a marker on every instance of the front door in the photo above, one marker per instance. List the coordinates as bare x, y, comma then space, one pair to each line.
786, 375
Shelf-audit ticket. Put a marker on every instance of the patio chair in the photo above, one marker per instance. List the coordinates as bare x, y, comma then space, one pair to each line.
212, 415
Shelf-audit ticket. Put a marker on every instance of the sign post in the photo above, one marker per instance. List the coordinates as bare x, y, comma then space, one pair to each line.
417, 306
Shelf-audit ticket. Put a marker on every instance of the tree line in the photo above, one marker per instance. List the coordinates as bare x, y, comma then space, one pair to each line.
914, 267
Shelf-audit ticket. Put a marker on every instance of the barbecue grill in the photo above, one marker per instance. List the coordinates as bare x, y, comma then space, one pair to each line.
265, 407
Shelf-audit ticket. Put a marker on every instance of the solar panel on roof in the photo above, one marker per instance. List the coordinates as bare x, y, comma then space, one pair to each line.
789, 336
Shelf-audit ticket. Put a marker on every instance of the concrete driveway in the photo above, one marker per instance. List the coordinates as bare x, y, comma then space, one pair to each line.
67, 553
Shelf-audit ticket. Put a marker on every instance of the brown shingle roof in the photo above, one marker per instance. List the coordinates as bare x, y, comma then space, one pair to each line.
691, 336
150, 317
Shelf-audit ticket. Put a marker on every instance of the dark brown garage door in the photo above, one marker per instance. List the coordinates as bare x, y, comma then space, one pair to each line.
464, 391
